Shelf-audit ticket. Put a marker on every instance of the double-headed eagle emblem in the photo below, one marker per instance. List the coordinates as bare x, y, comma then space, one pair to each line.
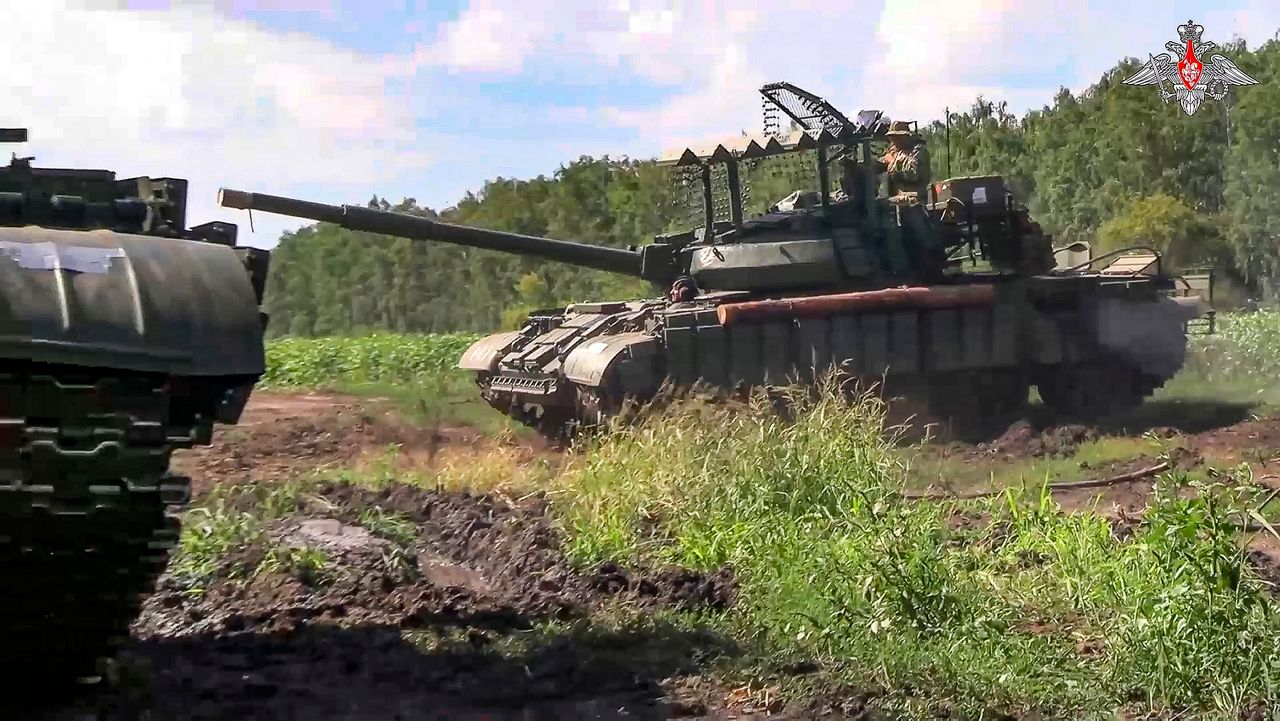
1191, 78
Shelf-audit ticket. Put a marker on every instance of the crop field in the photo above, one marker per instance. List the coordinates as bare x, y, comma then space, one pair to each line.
371, 543
388, 358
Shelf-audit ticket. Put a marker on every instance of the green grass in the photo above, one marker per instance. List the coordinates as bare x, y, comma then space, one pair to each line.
1041, 611
228, 534
217, 531
1244, 345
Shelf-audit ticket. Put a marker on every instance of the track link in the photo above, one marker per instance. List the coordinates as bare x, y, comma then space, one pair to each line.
87, 511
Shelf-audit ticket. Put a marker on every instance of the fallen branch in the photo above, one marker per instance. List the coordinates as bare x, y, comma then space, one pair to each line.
1093, 483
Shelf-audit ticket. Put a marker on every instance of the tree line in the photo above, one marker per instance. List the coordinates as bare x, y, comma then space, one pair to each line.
1113, 165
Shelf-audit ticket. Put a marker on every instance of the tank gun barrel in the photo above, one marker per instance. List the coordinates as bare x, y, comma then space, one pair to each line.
405, 225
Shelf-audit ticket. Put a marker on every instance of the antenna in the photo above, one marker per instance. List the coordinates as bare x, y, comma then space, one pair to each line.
948, 142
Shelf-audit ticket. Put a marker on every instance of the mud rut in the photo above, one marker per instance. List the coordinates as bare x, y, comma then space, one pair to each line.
439, 622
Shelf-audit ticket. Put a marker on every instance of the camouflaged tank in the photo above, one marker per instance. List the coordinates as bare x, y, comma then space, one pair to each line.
125, 336
848, 279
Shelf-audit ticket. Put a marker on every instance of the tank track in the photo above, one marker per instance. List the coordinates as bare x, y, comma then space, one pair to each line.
971, 405
87, 510
1089, 391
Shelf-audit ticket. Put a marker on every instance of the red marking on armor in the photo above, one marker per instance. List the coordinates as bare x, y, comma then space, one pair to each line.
1189, 68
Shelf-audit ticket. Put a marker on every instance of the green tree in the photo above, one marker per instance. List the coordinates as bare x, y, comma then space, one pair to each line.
533, 293
1183, 236
1252, 192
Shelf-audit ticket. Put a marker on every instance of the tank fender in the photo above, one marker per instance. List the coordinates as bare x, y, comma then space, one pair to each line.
1150, 335
631, 353
484, 354
118, 300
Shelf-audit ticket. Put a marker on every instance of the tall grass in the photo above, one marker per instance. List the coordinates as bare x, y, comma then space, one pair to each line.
1236, 365
1244, 345
1032, 610
1019, 608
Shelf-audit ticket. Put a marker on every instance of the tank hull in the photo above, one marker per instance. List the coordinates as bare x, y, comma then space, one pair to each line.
969, 351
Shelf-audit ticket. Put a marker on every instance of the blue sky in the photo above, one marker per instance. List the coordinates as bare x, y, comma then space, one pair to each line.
336, 101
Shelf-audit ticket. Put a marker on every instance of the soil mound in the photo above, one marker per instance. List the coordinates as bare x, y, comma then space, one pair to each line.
1023, 440
407, 603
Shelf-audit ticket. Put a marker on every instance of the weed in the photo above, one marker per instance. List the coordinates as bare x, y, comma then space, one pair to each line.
229, 520
395, 527
209, 533
309, 565
419, 373
966, 473
1037, 611
416, 372
1043, 612
1236, 364
1245, 345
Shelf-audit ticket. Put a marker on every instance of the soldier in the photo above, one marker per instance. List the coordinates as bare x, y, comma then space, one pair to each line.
907, 165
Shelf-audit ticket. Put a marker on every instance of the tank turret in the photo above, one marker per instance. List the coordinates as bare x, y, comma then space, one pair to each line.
854, 241
850, 237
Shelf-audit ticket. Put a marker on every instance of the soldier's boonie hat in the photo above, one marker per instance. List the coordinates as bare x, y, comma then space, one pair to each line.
899, 128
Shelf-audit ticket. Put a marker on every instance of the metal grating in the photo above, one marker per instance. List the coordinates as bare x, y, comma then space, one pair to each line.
807, 110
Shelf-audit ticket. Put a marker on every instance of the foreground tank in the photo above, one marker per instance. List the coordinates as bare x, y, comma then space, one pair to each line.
125, 336
858, 283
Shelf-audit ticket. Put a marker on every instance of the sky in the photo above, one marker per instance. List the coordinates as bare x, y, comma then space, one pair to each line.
340, 100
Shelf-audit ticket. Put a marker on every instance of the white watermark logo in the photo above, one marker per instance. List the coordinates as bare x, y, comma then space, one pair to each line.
1192, 79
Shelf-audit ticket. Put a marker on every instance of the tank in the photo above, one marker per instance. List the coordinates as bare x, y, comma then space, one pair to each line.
847, 279
125, 335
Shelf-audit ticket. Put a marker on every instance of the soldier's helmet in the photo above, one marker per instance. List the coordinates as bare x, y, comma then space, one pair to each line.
900, 129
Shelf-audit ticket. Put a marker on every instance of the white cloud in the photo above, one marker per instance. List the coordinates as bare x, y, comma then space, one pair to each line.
487, 37
1256, 22
713, 56
928, 56
905, 58
193, 94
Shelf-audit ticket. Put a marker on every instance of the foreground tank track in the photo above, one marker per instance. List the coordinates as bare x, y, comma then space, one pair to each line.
87, 510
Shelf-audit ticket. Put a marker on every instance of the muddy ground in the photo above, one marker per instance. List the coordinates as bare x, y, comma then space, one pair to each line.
416, 627
443, 615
